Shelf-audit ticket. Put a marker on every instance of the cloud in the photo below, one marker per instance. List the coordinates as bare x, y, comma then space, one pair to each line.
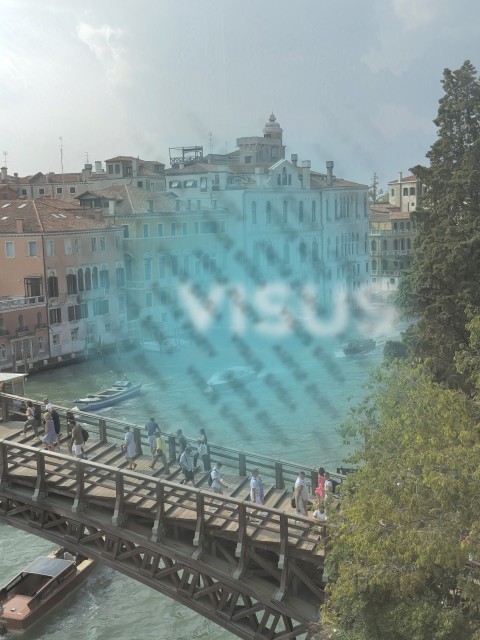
414, 13
394, 121
103, 44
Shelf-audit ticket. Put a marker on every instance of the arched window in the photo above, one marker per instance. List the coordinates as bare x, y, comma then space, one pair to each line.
402, 226
52, 285
40, 343
302, 249
120, 273
71, 284
270, 255
315, 253
81, 284
314, 211
105, 276
21, 322
395, 245
402, 244
95, 278
374, 245
384, 245
409, 244
300, 211
88, 279
39, 319
374, 265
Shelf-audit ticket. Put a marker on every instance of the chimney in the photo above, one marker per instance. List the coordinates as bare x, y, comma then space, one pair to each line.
87, 172
19, 225
98, 166
400, 176
330, 164
4, 174
294, 159
306, 164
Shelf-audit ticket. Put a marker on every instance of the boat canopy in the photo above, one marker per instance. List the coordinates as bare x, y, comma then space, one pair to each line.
122, 383
48, 566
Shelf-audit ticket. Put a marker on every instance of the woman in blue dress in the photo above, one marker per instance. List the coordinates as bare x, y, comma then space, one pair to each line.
50, 436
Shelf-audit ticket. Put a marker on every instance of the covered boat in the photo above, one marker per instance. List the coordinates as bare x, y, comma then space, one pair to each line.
231, 378
359, 345
121, 390
41, 586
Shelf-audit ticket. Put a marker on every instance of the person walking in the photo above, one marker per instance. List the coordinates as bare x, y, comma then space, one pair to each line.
77, 442
217, 481
31, 420
152, 427
186, 463
56, 426
202, 451
48, 404
129, 448
49, 437
256, 488
320, 490
182, 441
160, 452
301, 494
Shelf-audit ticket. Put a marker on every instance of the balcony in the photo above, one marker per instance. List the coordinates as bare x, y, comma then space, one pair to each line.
16, 303
22, 331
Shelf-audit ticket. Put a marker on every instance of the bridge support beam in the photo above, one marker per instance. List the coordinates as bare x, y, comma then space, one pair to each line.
79, 502
119, 515
40, 485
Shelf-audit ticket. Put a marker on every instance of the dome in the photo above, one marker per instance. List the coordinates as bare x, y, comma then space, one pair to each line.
272, 129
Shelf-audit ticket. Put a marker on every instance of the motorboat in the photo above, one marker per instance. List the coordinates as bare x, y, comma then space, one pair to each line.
359, 345
41, 586
168, 345
231, 378
121, 390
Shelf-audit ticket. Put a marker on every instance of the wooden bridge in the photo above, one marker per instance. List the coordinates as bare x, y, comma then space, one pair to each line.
257, 572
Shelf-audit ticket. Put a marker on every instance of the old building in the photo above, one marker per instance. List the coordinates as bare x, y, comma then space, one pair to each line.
61, 282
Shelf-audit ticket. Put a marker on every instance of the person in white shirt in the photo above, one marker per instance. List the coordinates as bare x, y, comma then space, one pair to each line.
301, 494
48, 405
319, 514
217, 480
256, 488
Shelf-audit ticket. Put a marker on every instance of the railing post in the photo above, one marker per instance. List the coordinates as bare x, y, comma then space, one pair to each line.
242, 464
279, 482
158, 529
172, 450
40, 484
79, 502
199, 537
282, 558
3, 465
241, 548
102, 431
119, 515
137, 436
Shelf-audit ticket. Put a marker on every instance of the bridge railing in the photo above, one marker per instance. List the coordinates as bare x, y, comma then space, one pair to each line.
125, 493
281, 473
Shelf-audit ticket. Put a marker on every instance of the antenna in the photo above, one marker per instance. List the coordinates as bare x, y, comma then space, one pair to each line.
61, 152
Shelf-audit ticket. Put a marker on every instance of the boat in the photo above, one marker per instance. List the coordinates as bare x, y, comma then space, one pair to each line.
168, 345
358, 345
121, 390
40, 586
231, 378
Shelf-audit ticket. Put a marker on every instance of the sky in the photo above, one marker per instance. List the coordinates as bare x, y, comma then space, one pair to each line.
353, 82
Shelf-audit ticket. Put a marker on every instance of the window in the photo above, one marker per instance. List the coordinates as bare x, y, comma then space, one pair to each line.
32, 249
161, 267
72, 189
140, 184
80, 280
173, 229
9, 249
184, 228
68, 246
3, 352
88, 279
186, 265
126, 230
49, 248
71, 284
315, 253
41, 191
174, 262
117, 168
405, 191
21, 322
108, 327
40, 323
100, 307
33, 286
77, 312
77, 245
300, 211
104, 278
56, 339
110, 168
303, 252
74, 334
118, 242
248, 159
392, 192
147, 268
120, 275
128, 268
412, 191
103, 243
55, 316
149, 299
59, 190
197, 228
150, 206
95, 278
93, 243
146, 230
23, 192
52, 285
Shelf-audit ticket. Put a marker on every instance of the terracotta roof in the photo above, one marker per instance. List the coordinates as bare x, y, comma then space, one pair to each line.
48, 215
133, 200
404, 179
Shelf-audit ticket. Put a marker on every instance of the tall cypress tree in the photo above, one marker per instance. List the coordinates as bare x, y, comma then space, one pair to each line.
443, 282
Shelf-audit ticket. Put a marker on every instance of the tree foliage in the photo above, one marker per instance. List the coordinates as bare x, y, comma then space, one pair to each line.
400, 544
442, 282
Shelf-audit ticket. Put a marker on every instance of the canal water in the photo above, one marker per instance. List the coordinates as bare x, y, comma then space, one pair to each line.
302, 392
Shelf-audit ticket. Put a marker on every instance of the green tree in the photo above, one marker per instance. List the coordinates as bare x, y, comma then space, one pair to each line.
399, 546
442, 282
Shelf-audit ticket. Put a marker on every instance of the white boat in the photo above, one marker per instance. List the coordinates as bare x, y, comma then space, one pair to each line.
231, 378
121, 390
40, 586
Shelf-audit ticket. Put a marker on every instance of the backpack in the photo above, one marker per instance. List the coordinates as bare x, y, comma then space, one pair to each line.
85, 435
37, 412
